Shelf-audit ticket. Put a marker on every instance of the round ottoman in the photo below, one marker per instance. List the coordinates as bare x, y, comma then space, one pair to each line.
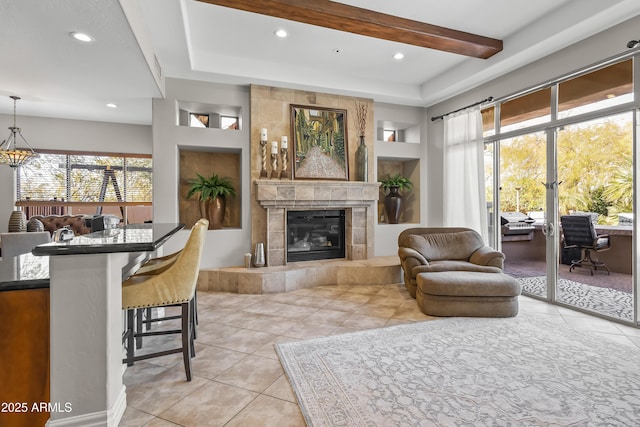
467, 294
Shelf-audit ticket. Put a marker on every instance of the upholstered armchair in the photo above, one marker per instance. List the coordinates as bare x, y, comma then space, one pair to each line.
424, 250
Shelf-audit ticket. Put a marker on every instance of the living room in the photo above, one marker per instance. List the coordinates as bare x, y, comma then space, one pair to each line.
164, 139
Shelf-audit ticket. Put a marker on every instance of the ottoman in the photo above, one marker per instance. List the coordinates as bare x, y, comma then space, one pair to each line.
467, 294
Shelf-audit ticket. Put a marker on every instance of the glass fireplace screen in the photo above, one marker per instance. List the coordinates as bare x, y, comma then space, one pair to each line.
313, 235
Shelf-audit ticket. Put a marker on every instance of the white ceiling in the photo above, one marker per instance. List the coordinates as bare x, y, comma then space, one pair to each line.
57, 76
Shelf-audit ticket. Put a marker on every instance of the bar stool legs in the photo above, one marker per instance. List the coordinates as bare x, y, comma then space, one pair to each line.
187, 336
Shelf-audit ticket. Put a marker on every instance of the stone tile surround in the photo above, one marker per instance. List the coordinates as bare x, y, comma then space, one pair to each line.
358, 199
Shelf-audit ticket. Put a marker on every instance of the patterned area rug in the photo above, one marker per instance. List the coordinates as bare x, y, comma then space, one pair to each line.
524, 371
601, 300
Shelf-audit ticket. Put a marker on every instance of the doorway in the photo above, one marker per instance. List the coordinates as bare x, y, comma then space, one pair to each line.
580, 169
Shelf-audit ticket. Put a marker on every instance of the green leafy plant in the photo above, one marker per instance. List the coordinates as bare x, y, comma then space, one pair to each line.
210, 188
396, 181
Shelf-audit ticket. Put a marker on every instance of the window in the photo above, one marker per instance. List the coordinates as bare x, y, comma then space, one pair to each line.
229, 123
527, 110
389, 135
606, 87
488, 121
80, 178
198, 120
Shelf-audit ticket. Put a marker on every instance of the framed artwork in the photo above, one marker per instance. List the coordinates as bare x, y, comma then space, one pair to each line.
319, 143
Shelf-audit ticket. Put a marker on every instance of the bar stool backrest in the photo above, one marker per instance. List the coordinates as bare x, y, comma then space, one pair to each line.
177, 284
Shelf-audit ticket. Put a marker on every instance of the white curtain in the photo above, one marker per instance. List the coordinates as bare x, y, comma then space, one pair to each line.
464, 188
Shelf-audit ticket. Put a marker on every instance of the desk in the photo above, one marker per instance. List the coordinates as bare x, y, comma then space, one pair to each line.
86, 275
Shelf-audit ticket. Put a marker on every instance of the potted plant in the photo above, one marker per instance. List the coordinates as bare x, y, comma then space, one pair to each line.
393, 200
213, 197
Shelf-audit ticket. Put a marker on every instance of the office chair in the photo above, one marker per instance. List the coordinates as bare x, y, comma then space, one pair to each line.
579, 232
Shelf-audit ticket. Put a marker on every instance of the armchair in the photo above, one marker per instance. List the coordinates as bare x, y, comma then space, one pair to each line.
451, 272
424, 250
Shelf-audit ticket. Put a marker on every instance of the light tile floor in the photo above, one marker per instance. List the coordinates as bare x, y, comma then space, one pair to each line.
238, 379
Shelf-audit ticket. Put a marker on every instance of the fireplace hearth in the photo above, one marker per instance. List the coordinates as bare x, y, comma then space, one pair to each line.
315, 234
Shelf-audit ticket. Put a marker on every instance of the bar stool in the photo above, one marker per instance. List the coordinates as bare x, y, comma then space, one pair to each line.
176, 285
155, 266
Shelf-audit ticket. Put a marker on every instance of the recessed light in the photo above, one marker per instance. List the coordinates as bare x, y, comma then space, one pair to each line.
81, 37
611, 96
398, 56
281, 33
112, 105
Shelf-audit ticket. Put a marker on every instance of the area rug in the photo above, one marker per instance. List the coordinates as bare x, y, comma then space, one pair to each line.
594, 298
523, 371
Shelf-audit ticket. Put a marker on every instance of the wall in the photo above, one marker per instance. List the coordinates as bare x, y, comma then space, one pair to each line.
224, 247
413, 152
164, 139
271, 109
61, 134
587, 52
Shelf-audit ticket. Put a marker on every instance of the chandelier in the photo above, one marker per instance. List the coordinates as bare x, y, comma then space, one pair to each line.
9, 153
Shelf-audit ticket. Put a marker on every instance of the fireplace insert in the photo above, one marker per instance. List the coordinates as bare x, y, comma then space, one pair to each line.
313, 235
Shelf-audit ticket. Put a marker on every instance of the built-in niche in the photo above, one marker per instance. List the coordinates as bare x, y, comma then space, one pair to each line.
409, 168
224, 163
393, 131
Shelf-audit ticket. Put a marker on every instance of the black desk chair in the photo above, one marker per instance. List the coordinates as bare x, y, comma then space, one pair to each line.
580, 232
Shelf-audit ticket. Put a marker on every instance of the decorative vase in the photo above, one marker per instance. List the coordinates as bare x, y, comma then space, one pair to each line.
393, 205
214, 211
258, 256
362, 161
35, 224
17, 221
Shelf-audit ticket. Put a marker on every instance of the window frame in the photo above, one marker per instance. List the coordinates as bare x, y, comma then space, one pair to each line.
58, 204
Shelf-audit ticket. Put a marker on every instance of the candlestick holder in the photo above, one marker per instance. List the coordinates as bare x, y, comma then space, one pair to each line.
284, 174
274, 165
263, 147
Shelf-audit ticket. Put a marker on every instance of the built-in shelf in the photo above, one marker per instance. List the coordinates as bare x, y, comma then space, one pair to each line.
206, 162
409, 168
394, 131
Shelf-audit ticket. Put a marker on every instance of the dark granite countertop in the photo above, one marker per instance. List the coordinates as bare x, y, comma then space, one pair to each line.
130, 238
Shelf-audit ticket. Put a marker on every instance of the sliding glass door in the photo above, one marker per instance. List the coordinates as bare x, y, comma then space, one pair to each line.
595, 166
561, 155
523, 210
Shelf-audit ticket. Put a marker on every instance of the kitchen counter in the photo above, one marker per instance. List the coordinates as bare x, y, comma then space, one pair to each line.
131, 238
86, 320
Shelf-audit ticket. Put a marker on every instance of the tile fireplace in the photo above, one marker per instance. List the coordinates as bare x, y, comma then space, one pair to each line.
357, 200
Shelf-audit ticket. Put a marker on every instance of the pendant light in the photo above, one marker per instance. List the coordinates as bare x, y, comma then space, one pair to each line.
10, 154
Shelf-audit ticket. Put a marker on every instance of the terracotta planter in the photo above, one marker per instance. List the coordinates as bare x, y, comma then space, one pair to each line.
393, 205
214, 211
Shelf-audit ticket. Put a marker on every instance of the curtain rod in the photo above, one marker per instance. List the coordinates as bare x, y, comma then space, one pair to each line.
489, 99
568, 76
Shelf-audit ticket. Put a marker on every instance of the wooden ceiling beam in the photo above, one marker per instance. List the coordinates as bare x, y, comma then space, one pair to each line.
342, 17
